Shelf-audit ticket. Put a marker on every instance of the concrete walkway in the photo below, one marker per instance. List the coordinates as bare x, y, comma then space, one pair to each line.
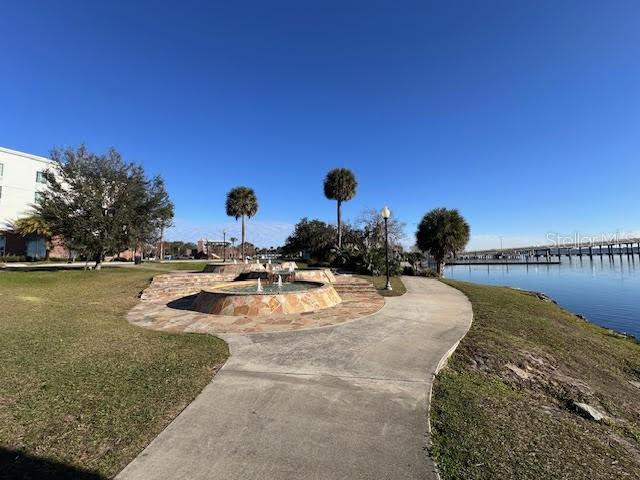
342, 402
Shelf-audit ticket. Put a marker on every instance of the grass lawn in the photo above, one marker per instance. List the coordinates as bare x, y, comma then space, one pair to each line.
80, 388
503, 408
184, 265
380, 282
193, 266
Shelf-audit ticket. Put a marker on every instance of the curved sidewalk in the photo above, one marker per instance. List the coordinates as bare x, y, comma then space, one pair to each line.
348, 401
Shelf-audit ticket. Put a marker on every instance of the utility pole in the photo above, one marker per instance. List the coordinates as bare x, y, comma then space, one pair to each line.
224, 246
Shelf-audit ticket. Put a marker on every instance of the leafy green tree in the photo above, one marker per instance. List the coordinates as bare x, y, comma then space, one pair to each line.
340, 185
242, 202
442, 233
415, 259
312, 236
101, 205
362, 248
36, 226
151, 209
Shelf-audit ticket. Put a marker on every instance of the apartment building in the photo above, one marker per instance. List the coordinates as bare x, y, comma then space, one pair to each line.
21, 182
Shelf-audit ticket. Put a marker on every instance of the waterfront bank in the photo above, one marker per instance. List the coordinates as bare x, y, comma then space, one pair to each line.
603, 289
508, 406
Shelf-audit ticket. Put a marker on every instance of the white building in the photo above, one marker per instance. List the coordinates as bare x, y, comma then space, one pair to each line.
21, 181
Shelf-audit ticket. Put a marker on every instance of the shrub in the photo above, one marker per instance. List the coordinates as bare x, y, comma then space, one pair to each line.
349, 257
367, 261
418, 271
374, 262
13, 258
409, 270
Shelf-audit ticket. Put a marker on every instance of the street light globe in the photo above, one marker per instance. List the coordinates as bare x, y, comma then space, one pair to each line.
386, 213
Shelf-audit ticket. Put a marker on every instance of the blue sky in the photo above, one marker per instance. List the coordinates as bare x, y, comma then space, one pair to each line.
525, 115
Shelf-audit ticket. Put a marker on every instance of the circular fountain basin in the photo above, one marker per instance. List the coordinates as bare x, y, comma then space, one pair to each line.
242, 298
233, 268
319, 274
272, 288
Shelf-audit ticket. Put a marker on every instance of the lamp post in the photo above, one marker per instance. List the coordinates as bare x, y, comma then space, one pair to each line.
224, 246
386, 213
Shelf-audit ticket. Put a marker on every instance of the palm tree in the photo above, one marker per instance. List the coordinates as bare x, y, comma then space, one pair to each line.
442, 232
242, 202
340, 185
36, 226
233, 241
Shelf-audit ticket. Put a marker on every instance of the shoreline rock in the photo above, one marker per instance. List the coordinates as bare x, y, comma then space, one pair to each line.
588, 412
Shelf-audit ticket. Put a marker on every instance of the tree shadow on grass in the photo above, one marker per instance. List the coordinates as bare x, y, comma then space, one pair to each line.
46, 268
16, 465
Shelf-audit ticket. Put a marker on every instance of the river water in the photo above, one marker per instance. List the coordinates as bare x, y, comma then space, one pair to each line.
606, 290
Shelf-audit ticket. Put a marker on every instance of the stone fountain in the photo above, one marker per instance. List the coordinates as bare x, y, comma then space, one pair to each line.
253, 298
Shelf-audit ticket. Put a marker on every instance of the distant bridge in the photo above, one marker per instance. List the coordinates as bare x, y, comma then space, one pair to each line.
548, 253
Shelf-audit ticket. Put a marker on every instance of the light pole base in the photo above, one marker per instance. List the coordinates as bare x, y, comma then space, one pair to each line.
388, 287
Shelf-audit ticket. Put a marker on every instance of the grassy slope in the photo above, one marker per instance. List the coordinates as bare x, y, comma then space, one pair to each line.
491, 424
78, 384
380, 282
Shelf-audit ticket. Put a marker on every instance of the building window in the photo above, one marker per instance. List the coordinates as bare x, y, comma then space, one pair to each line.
2, 245
40, 178
37, 197
0, 191
1, 169
36, 247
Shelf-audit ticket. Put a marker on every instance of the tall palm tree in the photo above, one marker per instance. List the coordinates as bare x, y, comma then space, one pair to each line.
233, 241
340, 185
442, 232
241, 203
36, 226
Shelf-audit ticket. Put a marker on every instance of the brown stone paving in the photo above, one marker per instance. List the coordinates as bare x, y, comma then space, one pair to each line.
219, 301
167, 310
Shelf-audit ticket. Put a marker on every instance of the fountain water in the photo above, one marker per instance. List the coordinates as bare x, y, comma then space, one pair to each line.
259, 289
235, 261
279, 281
